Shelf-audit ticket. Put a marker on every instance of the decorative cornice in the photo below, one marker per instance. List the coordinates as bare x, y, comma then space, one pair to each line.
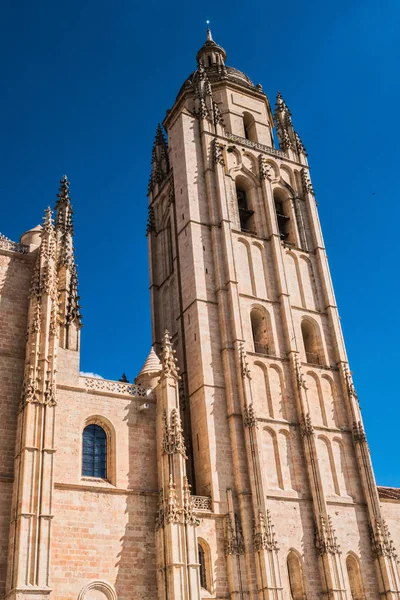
255, 145
114, 387
6, 244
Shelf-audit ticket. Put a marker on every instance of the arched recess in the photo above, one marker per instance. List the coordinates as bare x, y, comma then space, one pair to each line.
271, 459
327, 466
245, 272
245, 196
261, 390
312, 342
293, 278
315, 399
287, 460
249, 127
205, 565
260, 270
332, 408
109, 430
308, 283
278, 392
341, 466
263, 341
355, 579
295, 574
97, 590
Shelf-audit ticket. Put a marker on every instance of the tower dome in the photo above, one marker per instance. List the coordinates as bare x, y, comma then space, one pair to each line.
32, 236
212, 57
150, 370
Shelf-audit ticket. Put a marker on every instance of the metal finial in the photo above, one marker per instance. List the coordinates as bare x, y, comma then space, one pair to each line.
209, 36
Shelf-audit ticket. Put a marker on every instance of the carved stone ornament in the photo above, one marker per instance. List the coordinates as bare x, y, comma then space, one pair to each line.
382, 543
325, 538
30, 391
358, 433
173, 442
172, 513
151, 221
249, 418
244, 366
217, 152
266, 171
50, 393
306, 182
301, 382
264, 534
36, 320
299, 144
306, 427
6, 244
351, 390
159, 159
160, 510
168, 360
234, 541
188, 505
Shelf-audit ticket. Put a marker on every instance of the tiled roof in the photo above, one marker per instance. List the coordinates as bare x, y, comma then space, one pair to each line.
389, 493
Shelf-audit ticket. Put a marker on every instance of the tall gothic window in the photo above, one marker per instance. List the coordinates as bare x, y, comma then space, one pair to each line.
295, 577
202, 563
94, 452
353, 572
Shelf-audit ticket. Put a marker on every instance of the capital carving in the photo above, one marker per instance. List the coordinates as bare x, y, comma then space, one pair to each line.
325, 538
382, 543
264, 534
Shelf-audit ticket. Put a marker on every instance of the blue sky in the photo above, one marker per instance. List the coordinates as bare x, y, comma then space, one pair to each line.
84, 84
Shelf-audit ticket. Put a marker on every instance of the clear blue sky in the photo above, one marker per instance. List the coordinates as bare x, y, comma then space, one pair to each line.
84, 85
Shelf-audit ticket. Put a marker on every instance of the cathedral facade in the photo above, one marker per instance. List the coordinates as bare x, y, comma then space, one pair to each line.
236, 465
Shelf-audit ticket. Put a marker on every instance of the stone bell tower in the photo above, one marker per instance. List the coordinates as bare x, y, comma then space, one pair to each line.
240, 279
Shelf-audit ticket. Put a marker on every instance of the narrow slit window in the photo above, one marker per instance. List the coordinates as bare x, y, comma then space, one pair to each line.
245, 213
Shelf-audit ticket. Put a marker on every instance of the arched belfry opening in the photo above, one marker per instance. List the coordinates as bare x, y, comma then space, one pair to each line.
282, 217
249, 126
312, 342
261, 330
243, 196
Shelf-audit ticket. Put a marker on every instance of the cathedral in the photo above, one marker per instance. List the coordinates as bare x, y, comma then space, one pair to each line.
236, 465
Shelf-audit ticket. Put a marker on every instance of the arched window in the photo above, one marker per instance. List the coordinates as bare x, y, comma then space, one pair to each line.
354, 574
249, 126
245, 213
282, 218
168, 249
203, 569
94, 452
311, 343
295, 576
261, 330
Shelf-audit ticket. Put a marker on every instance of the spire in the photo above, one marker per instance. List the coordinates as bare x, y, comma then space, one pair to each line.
289, 139
159, 158
63, 208
209, 36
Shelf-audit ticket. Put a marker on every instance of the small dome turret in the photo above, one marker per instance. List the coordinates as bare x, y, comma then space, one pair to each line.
211, 54
32, 236
149, 374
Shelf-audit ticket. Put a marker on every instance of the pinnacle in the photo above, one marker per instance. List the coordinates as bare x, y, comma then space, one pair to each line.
209, 35
48, 220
